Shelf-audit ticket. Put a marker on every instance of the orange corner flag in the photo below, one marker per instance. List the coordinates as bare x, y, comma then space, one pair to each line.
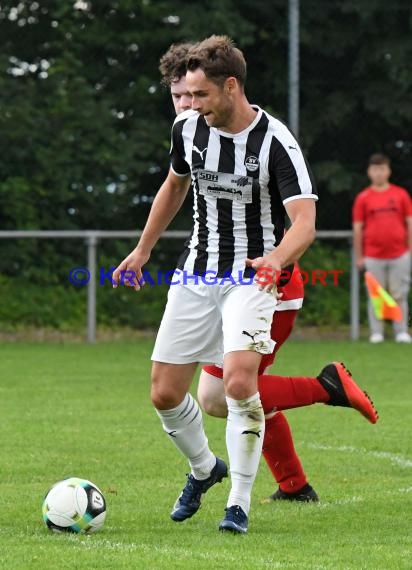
385, 306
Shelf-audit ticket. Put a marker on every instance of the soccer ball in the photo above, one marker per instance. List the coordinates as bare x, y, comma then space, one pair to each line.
74, 505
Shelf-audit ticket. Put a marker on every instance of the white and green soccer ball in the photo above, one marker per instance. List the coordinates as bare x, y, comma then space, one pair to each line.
74, 505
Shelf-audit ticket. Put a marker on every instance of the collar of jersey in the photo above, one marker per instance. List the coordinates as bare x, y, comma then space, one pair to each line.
245, 131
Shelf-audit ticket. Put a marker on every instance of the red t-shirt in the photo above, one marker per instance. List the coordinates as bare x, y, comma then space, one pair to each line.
384, 221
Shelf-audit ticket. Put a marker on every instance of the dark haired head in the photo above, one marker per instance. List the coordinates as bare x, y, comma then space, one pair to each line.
379, 158
173, 63
219, 59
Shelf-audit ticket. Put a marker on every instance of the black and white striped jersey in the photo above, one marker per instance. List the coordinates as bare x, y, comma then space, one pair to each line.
240, 184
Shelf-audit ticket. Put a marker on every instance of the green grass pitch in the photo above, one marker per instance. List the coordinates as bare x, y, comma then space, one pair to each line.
71, 409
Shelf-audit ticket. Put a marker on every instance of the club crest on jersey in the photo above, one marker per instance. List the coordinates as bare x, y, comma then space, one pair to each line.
251, 163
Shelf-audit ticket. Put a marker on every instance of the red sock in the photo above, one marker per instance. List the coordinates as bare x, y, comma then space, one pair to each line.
285, 392
280, 455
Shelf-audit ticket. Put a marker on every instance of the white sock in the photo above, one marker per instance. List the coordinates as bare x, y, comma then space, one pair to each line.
184, 425
244, 449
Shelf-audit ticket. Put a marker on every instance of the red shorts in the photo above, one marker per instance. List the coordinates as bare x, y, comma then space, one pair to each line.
282, 326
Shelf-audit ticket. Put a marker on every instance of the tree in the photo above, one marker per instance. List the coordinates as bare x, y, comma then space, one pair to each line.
85, 127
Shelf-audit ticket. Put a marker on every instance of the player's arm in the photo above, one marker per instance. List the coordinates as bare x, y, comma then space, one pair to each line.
302, 214
358, 243
409, 226
295, 184
358, 224
166, 204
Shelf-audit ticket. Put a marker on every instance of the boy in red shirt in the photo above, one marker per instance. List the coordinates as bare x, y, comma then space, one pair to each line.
382, 227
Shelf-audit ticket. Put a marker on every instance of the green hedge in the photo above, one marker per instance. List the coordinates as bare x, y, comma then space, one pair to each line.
56, 303
327, 304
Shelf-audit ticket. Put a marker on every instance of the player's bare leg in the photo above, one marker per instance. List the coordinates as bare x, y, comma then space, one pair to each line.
182, 420
334, 386
211, 395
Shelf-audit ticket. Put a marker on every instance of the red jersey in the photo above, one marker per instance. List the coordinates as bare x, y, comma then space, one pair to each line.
383, 214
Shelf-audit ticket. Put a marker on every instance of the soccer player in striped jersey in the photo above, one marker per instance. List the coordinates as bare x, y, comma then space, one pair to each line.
248, 172
276, 392
278, 447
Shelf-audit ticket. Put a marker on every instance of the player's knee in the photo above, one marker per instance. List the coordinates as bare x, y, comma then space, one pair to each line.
212, 405
163, 395
211, 395
240, 384
163, 400
204, 401
207, 404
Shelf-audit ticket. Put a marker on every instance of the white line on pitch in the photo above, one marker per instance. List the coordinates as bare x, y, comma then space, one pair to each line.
399, 460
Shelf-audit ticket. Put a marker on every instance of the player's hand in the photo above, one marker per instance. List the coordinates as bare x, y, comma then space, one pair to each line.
129, 272
267, 268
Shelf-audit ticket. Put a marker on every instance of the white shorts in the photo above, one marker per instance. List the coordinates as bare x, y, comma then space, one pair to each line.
203, 322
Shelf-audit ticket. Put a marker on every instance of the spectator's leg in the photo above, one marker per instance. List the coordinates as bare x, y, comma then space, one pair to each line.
399, 284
